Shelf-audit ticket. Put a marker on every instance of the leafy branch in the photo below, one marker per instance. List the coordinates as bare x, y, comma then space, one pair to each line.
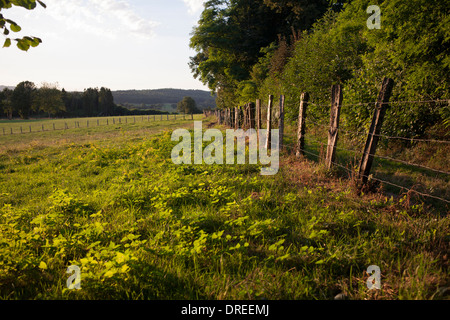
8, 25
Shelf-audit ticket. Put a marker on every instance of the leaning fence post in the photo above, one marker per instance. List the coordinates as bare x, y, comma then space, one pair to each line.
375, 128
269, 121
301, 124
336, 101
281, 121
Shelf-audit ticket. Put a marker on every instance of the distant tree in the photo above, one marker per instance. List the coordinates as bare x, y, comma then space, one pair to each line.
22, 43
91, 102
49, 99
187, 105
5, 102
22, 98
106, 101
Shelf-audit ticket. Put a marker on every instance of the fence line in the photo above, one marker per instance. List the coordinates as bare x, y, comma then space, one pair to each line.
96, 122
372, 103
241, 117
293, 147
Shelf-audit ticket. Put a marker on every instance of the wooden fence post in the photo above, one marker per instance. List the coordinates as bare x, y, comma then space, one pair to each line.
236, 118
301, 124
336, 101
281, 121
375, 128
246, 118
252, 115
269, 122
258, 117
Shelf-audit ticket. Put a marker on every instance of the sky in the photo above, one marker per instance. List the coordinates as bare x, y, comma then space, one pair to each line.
118, 44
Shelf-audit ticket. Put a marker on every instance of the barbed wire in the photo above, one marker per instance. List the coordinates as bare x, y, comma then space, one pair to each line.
371, 177
367, 133
380, 103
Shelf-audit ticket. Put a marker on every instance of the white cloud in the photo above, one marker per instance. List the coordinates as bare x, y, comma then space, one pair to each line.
106, 18
194, 6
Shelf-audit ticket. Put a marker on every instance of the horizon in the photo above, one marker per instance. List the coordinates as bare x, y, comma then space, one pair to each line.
60, 88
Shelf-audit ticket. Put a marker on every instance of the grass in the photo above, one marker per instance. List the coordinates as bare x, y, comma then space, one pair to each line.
109, 200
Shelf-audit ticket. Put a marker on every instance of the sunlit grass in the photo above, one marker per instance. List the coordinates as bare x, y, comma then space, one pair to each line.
110, 200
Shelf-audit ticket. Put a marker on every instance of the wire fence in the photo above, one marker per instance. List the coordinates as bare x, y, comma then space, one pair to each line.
315, 123
79, 123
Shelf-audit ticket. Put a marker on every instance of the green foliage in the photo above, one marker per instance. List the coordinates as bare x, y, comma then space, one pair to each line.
25, 42
411, 48
140, 227
187, 106
6, 103
48, 99
230, 35
22, 98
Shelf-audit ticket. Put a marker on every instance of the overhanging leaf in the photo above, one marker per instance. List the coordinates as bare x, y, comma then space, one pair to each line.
23, 44
15, 28
7, 43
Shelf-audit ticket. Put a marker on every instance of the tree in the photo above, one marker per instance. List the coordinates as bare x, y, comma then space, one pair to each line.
5, 102
106, 101
22, 98
413, 48
230, 35
91, 102
49, 99
187, 105
23, 43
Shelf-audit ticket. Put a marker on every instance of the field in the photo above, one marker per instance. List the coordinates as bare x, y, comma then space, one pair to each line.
109, 200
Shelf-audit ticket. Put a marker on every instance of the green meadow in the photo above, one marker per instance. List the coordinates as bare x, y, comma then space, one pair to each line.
109, 199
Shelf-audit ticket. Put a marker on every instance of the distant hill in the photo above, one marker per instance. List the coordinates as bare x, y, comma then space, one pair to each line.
163, 97
3, 87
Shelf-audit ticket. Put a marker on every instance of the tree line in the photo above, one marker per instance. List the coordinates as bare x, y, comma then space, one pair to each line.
248, 49
27, 100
